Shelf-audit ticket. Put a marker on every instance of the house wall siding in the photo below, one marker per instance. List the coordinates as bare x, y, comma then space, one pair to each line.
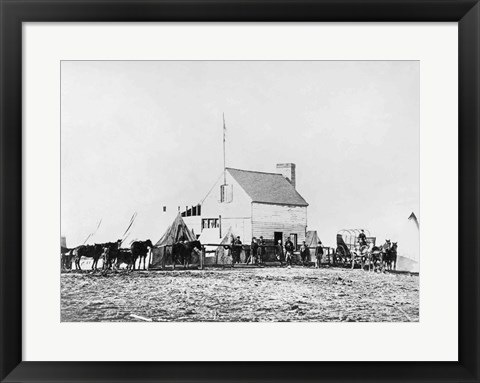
240, 226
268, 218
247, 218
236, 214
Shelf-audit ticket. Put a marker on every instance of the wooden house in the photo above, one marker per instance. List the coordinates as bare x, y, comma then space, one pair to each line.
252, 204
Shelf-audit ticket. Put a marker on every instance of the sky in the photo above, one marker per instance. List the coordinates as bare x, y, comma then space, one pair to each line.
140, 135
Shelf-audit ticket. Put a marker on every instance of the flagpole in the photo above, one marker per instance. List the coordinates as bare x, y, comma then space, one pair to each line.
224, 163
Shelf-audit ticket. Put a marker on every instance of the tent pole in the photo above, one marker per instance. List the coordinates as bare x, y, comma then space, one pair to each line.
220, 225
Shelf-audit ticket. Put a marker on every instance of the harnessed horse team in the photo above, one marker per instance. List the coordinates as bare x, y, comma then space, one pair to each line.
113, 255
378, 258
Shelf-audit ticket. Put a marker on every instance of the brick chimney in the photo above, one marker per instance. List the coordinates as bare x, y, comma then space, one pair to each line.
288, 171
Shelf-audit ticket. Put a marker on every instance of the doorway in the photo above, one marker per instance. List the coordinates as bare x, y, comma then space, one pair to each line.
278, 236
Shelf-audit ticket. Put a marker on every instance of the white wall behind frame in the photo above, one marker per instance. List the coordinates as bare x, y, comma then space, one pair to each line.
435, 45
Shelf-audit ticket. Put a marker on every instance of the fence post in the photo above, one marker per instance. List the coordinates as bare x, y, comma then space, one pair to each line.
202, 258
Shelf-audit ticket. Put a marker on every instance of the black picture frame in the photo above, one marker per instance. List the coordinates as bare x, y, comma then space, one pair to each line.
14, 12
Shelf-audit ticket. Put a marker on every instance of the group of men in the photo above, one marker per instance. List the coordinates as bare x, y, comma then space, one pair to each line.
283, 253
305, 254
257, 250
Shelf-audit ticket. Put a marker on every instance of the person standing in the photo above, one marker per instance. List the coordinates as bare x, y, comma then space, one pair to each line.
279, 251
362, 239
253, 251
261, 249
288, 252
318, 254
237, 249
304, 253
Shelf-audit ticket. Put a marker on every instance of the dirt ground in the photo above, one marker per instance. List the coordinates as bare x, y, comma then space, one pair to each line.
244, 294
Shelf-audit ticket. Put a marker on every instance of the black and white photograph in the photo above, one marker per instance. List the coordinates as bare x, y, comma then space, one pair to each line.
240, 191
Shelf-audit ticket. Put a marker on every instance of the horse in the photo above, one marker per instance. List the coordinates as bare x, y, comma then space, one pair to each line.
375, 256
140, 249
182, 252
88, 251
365, 254
391, 258
110, 253
379, 256
124, 256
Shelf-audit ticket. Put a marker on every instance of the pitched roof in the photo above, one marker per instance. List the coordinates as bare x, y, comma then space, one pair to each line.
270, 188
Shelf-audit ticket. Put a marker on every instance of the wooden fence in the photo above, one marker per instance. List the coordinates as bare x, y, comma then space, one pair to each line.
220, 256
217, 254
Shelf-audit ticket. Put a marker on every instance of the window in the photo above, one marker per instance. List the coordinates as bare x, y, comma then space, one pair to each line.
226, 193
210, 223
189, 211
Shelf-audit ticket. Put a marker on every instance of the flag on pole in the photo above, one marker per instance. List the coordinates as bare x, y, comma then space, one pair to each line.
224, 163
224, 127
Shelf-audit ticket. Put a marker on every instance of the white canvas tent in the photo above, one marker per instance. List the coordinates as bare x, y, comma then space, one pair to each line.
222, 255
409, 246
177, 231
